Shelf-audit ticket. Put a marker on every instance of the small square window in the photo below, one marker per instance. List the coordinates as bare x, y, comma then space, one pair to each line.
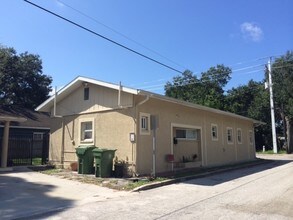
214, 130
37, 136
86, 93
229, 135
144, 123
86, 131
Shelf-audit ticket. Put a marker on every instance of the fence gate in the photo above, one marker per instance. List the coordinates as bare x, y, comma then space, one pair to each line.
26, 150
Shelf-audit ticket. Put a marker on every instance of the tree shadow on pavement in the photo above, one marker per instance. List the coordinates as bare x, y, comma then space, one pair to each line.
232, 174
21, 199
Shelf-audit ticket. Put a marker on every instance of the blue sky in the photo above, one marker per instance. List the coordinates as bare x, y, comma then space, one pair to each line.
194, 35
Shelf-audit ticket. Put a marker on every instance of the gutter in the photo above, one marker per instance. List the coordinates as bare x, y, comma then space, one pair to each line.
144, 101
137, 130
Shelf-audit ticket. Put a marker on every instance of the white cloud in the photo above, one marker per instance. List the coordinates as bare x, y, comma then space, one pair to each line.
251, 31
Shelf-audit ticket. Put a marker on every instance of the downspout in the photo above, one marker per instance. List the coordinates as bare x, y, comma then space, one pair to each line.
137, 130
55, 102
143, 101
62, 144
119, 95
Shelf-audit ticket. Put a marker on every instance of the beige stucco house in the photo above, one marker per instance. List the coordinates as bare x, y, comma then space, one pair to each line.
151, 132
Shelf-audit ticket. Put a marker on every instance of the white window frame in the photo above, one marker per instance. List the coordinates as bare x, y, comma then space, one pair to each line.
195, 138
214, 138
144, 128
250, 136
227, 130
239, 141
37, 134
89, 140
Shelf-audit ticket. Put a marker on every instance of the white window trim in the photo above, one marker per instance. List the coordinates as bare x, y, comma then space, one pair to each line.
214, 138
141, 130
87, 141
250, 132
239, 142
37, 133
230, 142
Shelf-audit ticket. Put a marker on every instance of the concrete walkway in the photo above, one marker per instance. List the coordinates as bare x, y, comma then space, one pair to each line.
24, 193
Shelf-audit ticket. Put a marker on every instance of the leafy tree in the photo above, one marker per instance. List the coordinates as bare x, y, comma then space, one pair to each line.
208, 90
184, 87
22, 82
252, 100
282, 75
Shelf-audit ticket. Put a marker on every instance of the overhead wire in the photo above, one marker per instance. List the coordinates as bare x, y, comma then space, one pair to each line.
134, 51
236, 70
103, 37
119, 33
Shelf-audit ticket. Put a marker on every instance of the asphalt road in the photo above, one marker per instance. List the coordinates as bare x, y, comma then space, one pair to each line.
260, 192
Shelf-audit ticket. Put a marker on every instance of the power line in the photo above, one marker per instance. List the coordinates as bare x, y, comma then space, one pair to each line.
253, 60
249, 67
101, 36
237, 70
159, 86
121, 34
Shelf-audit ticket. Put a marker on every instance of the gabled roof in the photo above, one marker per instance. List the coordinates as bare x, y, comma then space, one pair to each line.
74, 84
77, 82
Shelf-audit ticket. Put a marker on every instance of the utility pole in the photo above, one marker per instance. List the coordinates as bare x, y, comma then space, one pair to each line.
272, 108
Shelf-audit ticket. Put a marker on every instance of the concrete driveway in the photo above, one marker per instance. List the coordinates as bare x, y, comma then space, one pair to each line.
24, 193
264, 191
260, 192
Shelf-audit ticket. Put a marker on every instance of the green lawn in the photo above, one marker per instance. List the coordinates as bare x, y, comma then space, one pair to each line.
271, 152
35, 161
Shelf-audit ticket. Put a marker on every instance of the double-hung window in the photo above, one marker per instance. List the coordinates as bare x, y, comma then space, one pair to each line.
144, 123
239, 136
230, 135
86, 131
214, 130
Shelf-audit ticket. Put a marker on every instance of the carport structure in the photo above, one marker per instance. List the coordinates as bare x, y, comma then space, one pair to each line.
6, 118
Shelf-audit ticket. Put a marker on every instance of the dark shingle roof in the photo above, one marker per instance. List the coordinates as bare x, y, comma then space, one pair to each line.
34, 119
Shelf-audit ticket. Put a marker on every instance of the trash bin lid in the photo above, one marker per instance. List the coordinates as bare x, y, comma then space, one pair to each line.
101, 150
83, 148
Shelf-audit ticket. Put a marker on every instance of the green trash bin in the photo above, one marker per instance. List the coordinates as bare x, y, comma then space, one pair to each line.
103, 162
85, 159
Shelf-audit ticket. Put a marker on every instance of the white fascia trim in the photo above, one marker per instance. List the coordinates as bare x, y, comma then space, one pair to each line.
196, 106
89, 80
106, 84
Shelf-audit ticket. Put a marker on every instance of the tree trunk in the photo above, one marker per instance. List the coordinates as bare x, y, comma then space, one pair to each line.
289, 140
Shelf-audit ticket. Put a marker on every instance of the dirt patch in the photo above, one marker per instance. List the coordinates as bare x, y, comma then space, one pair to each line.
126, 184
